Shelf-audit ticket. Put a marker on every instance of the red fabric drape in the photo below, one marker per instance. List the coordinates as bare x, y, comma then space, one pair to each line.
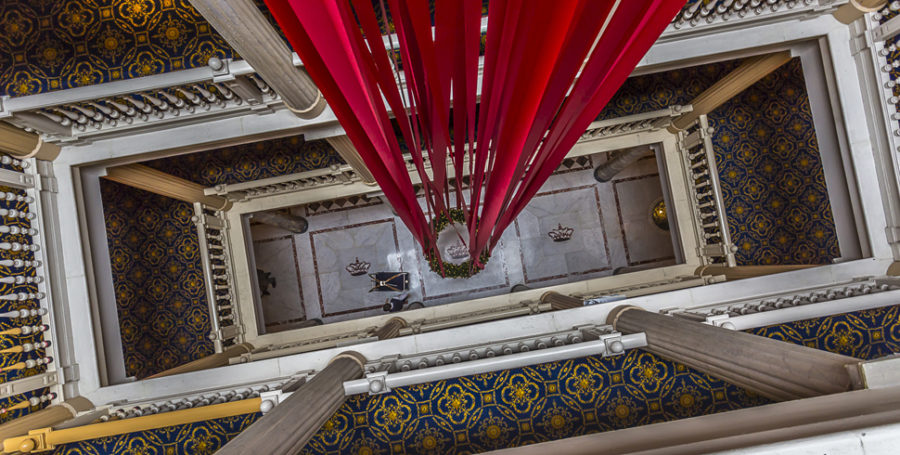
549, 68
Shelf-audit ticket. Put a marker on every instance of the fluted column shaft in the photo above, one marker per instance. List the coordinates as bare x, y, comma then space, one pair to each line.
47, 417
219, 359
344, 147
391, 328
158, 182
250, 33
619, 161
22, 144
740, 79
289, 426
775, 369
559, 301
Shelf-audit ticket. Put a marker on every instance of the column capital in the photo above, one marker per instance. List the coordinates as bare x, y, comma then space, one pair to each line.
22, 144
613, 317
559, 301
251, 34
352, 355
398, 320
855, 9
344, 147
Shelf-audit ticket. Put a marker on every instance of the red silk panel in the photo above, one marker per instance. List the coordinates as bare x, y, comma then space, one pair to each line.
549, 68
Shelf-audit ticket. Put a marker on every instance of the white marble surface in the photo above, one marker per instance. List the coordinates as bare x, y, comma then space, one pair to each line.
635, 197
284, 304
606, 236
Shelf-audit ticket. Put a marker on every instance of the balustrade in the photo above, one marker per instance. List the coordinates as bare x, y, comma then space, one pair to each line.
839, 299
212, 229
142, 103
710, 222
28, 403
649, 287
25, 292
345, 174
129, 411
301, 181
399, 371
697, 13
887, 58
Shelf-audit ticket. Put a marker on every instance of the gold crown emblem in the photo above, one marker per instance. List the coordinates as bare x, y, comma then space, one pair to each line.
561, 233
357, 268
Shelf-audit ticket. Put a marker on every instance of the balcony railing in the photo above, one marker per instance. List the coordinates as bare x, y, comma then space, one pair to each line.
212, 230
708, 207
124, 107
30, 353
710, 13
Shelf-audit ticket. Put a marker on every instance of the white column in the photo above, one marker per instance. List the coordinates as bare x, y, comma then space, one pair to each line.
251, 35
289, 426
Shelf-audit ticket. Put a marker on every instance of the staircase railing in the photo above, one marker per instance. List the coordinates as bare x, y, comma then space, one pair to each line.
212, 230
708, 207
30, 352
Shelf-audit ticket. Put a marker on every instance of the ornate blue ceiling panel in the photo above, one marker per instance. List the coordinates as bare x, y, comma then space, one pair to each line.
48, 45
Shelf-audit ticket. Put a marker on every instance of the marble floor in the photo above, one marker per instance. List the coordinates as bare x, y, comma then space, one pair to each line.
306, 276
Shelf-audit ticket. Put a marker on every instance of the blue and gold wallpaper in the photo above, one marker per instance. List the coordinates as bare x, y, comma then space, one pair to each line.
48, 45
866, 334
200, 438
767, 155
158, 279
533, 404
155, 255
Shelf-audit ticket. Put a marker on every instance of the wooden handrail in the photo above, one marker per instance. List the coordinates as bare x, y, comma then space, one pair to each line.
47, 438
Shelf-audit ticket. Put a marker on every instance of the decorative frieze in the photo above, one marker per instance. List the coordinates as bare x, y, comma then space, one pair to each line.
397, 371
720, 314
703, 13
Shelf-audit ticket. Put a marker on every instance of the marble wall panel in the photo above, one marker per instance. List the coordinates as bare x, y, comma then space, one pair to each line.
284, 302
644, 241
333, 249
585, 252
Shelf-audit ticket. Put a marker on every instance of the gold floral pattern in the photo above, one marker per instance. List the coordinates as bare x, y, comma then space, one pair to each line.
55, 45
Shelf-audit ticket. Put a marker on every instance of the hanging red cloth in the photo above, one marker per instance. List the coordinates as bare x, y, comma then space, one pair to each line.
549, 68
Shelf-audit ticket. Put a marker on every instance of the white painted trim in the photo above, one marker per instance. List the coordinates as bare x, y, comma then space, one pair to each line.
815, 310
880, 440
88, 353
834, 153
487, 365
271, 369
27, 384
725, 43
105, 292
860, 145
